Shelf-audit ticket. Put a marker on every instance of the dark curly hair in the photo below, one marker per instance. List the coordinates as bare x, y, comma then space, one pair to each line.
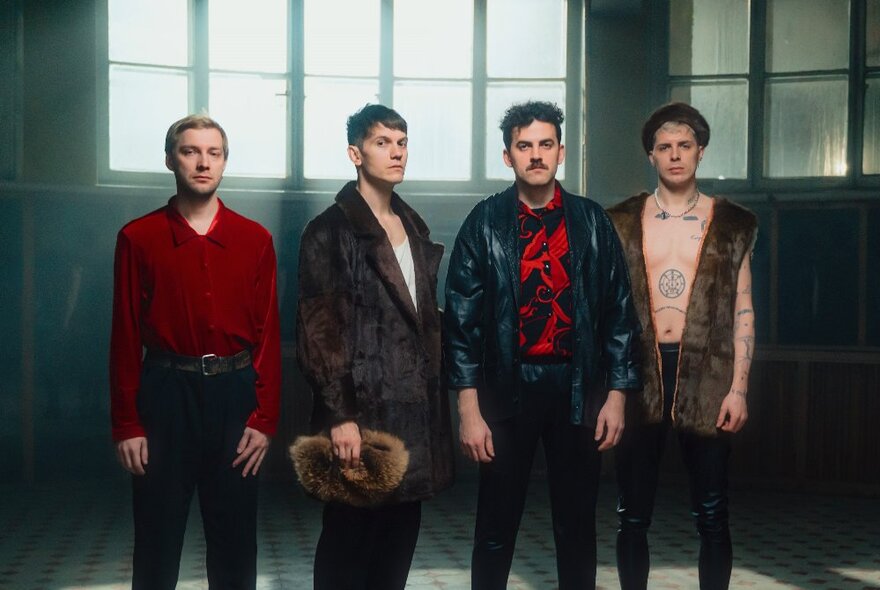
523, 114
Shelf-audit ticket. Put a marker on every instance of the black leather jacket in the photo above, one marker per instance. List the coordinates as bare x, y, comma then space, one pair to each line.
482, 308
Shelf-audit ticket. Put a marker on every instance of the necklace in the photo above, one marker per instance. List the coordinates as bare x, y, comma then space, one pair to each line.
664, 214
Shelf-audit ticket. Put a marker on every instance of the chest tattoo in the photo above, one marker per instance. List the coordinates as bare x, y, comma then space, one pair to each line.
672, 283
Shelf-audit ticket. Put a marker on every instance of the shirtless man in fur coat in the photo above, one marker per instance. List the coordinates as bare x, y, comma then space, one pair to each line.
688, 256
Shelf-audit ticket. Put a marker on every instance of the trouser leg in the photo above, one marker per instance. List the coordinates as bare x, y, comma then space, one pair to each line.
706, 459
340, 560
637, 460
228, 501
573, 464
168, 409
502, 493
366, 548
397, 531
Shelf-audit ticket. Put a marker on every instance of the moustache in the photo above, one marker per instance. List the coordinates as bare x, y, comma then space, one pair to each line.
537, 166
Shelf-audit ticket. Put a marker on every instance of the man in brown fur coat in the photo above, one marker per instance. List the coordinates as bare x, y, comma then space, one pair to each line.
368, 341
688, 257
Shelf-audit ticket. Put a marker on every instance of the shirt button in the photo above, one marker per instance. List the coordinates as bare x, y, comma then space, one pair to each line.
207, 293
544, 245
211, 327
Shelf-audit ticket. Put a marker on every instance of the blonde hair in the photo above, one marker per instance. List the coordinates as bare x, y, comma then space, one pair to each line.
200, 121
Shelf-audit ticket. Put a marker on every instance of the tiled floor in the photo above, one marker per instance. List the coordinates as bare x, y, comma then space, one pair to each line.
79, 537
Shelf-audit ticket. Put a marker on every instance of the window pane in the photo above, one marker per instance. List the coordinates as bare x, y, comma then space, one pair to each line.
328, 104
872, 41
438, 117
525, 38
342, 37
253, 111
249, 36
433, 39
871, 155
143, 104
153, 32
807, 35
499, 96
806, 128
708, 37
818, 276
725, 105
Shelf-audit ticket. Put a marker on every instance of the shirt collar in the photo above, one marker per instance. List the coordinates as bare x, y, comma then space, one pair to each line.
183, 232
555, 203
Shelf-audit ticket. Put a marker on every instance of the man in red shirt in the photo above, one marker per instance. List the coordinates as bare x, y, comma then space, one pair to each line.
194, 366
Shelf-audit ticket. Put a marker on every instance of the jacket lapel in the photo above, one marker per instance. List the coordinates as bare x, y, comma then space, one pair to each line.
426, 260
505, 227
377, 249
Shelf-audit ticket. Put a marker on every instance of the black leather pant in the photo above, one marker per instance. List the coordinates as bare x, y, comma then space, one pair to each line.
572, 471
638, 459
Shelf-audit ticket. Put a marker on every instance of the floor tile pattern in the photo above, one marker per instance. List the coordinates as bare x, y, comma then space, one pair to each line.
78, 537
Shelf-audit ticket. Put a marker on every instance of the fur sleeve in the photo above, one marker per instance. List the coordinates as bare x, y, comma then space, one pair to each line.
324, 318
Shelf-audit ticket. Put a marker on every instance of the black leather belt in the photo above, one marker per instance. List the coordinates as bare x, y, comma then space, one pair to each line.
208, 364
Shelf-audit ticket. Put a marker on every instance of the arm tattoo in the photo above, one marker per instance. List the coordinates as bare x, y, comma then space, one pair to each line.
747, 290
672, 283
691, 218
741, 319
740, 392
749, 342
672, 307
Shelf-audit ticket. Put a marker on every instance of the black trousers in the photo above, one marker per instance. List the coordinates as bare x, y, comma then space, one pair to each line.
366, 548
638, 459
193, 425
573, 463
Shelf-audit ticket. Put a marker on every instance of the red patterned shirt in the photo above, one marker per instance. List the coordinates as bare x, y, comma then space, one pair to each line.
545, 312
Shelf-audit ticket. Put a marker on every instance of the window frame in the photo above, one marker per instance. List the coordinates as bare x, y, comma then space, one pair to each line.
573, 127
758, 79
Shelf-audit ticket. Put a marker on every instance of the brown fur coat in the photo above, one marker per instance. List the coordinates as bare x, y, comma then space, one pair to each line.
705, 366
369, 354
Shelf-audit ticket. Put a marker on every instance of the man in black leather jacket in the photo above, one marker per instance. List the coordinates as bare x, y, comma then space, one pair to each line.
542, 342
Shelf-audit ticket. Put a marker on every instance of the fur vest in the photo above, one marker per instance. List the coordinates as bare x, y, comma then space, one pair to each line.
705, 365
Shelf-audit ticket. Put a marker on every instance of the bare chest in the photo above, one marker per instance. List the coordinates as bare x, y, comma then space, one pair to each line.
672, 252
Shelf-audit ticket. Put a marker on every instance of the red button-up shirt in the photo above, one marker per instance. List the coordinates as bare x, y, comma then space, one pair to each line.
545, 310
181, 292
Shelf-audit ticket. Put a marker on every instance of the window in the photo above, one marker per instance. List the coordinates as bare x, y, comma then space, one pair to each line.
750, 66
282, 76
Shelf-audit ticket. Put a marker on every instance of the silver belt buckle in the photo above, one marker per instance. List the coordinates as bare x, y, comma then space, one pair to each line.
210, 359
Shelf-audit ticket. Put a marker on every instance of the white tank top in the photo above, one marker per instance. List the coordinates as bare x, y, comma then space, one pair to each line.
403, 253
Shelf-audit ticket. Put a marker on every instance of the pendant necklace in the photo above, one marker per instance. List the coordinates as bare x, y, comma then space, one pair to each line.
664, 214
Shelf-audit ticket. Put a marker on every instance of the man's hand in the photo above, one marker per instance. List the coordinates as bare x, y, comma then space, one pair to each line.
609, 426
345, 439
132, 454
734, 412
474, 435
251, 451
